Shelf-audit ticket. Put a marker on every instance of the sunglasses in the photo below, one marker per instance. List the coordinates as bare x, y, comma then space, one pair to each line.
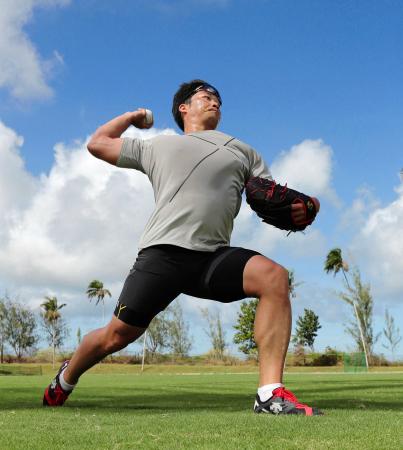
208, 88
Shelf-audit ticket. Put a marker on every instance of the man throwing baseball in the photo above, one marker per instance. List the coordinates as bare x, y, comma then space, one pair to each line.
198, 179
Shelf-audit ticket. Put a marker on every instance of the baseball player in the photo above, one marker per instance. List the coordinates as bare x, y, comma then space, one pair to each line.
198, 179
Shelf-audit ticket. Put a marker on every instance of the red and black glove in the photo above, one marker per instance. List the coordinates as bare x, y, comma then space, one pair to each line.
273, 203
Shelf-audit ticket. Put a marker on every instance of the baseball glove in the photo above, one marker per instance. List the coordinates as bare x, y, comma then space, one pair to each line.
272, 203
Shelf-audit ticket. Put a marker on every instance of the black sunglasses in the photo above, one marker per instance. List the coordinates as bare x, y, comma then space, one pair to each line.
208, 88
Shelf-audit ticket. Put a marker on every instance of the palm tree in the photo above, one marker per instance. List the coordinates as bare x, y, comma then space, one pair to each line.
96, 290
334, 263
51, 315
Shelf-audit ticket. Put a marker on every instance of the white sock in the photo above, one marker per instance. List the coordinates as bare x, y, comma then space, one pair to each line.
65, 386
265, 392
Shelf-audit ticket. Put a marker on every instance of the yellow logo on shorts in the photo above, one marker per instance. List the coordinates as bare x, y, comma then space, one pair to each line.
120, 309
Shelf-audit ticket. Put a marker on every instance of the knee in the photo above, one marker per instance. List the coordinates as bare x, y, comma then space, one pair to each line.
115, 341
271, 278
276, 280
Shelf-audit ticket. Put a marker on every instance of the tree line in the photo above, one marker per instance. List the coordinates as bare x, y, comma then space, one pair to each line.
19, 327
169, 331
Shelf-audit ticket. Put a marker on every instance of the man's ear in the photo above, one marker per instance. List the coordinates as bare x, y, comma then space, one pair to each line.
183, 107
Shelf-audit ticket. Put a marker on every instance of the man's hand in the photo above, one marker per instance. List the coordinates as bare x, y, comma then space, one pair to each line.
298, 211
138, 119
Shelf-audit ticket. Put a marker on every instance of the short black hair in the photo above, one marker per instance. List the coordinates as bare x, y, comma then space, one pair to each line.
182, 96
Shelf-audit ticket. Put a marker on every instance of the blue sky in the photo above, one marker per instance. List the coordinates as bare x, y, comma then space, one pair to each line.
314, 86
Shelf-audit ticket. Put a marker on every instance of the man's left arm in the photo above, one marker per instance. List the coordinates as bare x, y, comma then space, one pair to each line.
259, 168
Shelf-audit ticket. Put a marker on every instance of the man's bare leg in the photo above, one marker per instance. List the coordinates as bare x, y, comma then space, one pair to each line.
94, 347
98, 344
267, 280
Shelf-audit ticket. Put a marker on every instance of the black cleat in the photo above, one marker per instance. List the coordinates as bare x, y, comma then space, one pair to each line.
284, 402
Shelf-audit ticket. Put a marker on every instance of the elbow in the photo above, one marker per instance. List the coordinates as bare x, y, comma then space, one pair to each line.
104, 148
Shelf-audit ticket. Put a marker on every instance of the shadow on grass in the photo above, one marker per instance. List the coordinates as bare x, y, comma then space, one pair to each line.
158, 400
349, 387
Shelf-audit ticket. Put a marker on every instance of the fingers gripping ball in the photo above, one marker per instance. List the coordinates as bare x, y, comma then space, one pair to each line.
273, 202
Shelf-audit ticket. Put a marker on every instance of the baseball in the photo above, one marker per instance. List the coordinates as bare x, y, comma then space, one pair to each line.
148, 120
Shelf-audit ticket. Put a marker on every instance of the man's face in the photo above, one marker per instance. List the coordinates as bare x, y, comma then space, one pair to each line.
204, 108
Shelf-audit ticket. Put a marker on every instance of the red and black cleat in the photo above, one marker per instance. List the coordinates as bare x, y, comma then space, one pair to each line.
284, 402
54, 394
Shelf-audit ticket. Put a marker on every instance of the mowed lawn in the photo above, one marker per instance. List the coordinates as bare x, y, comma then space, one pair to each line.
209, 410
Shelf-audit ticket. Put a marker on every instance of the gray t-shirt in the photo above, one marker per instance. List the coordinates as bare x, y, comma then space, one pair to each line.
198, 180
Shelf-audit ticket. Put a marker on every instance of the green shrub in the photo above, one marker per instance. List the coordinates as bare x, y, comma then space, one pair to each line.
330, 358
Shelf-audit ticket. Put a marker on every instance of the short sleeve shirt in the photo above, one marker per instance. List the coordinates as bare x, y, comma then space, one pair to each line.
198, 180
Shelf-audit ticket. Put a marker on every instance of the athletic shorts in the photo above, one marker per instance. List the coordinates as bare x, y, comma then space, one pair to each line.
162, 272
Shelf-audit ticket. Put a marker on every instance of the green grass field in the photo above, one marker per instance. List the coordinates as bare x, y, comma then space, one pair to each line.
206, 410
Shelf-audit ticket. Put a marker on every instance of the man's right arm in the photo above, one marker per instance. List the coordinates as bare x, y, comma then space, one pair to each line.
106, 142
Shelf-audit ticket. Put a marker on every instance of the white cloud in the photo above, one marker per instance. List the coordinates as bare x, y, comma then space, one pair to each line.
378, 246
307, 167
13, 195
17, 186
356, 216
82, 221
22, 70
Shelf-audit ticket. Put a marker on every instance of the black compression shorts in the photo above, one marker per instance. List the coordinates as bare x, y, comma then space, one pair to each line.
162, 272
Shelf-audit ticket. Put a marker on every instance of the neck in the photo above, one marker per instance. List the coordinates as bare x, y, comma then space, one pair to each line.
191, 127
